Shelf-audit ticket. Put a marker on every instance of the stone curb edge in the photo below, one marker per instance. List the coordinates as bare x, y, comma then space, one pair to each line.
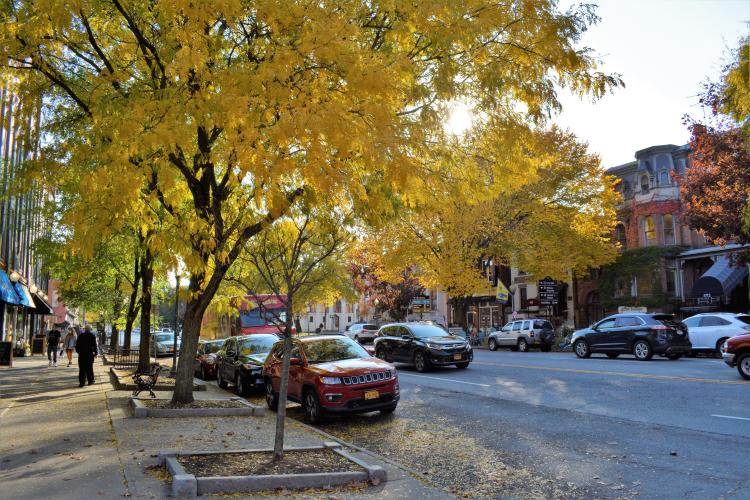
142, 411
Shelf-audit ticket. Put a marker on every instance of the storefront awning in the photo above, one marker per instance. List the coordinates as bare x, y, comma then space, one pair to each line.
720, 279
7, 291
25, 296
42, 307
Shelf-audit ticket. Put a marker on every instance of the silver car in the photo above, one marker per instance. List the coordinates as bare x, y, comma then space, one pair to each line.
362, 332
163, 344
522, 334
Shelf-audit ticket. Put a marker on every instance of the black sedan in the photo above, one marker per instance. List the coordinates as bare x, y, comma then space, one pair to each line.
422, 345
640, 334
240, 361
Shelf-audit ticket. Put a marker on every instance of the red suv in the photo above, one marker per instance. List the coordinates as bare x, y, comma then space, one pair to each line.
332, 374
737, 353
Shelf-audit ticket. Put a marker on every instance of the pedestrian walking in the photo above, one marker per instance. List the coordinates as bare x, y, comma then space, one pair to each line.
53, 340
69, 344
86, 349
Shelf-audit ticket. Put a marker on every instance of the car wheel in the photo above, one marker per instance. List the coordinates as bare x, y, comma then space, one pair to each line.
388, 411
420, 361
743, 366
492, 344
642, 350
272, 399
674, 356
241, 389
581, 348
220, 380
313, 411
461, 366
523, 346
380, 353
720, 344
612, 355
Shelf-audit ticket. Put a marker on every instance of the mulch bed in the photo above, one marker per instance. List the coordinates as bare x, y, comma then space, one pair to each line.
211, 403
259, 463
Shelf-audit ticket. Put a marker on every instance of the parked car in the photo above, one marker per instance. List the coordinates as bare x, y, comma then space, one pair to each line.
709, 331
362, 332
520, 335
737, 353
240, 361
422, 345
163, 344
332, 375
205, 359
640, 334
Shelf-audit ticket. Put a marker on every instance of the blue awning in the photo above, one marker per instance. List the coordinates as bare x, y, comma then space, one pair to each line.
25, 296
7, 292
720, 279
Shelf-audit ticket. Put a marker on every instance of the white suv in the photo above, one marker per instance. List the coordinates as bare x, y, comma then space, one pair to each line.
362, 332
709, 331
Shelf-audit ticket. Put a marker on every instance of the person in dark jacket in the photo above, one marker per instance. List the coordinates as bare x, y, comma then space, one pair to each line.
53, 340
86, 349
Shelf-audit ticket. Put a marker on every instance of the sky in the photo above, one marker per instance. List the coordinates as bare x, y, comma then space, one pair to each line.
664, 50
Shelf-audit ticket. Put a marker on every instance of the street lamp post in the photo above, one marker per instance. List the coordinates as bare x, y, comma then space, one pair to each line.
176, 310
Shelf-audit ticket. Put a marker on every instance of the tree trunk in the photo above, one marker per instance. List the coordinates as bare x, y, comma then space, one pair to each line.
462, 305
133, 306
278, 441
147, 278
116, 311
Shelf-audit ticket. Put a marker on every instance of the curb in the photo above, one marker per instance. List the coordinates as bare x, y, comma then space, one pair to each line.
142, 411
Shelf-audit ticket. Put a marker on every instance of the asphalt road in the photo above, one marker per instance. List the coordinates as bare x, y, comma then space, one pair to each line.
551, 425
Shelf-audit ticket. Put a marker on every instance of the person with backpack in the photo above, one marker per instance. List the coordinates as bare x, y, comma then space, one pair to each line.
53, 339
86, 349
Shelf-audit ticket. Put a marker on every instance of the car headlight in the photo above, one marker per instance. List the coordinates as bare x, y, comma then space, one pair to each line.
434, 346
330, 380
159, 345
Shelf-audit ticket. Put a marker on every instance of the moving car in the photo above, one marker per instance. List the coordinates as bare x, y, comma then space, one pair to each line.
362, 332
640, 334
422, 345
736, 352
330, 375
520, 335
240, 361
709, 331
163, 344
205, 359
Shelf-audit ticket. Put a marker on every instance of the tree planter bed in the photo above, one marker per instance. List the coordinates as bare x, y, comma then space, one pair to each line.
234, 407
311, 467
122, 380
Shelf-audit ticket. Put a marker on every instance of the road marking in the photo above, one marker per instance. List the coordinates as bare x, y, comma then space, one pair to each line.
733, 418
444, 379
7, 408
617, 374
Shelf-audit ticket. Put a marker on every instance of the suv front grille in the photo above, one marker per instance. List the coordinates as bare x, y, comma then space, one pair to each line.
369, 378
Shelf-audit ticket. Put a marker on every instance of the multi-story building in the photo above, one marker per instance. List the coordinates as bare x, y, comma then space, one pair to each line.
23, 285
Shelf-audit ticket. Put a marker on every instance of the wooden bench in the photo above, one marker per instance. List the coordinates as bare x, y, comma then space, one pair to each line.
147, 381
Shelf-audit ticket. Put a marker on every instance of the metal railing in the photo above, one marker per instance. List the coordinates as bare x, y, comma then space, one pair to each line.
125, 358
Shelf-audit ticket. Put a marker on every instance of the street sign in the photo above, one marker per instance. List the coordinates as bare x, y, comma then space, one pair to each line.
420, 301
547, 292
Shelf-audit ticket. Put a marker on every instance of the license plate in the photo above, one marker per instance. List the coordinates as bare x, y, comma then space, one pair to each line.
456, 356
372, 394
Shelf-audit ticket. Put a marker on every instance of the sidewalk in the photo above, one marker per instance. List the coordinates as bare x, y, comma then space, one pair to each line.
59, 441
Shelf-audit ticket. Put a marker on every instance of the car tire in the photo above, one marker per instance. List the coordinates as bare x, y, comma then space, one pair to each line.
388, 411
462, 366
492, 344
743, 365
203, 374
642, 350
612, 355
420, 362
720, 345
220, 380
241, 388
523, 346
312, 408
582, 349
674, 356
381, 353
272, 399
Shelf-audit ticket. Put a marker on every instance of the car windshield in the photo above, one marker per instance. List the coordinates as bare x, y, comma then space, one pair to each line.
163, 337
323, 351
256, 345
424, 331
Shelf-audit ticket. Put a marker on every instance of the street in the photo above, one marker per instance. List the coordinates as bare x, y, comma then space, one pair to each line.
552, 425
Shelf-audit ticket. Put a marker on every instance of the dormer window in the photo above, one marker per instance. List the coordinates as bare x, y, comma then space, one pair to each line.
664, 178
644, 183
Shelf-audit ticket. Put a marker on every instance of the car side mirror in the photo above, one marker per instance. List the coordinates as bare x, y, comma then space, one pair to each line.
295, 362
405, 337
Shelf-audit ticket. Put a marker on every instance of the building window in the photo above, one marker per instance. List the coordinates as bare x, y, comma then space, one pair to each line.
668, 223
312, 320
664, 178
649, 230
621, 287
644, 184
621, 236
671, 288
524, 297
